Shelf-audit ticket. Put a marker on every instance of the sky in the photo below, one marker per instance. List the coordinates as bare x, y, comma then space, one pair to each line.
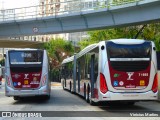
7, 4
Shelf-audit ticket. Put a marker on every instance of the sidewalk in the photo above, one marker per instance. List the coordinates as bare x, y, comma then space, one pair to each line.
55, 84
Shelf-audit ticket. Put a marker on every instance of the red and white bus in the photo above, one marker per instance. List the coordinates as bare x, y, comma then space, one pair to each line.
27, 73
114, 70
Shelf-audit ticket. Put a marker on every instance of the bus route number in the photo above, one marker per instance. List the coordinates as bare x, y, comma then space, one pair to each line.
143, 74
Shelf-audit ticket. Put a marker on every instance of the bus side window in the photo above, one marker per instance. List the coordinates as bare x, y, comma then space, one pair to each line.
95, 67
158, 60
89, 68
62, 72
78, 70
82, 70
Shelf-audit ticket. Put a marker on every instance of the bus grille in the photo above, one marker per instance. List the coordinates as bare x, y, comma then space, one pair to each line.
129, 66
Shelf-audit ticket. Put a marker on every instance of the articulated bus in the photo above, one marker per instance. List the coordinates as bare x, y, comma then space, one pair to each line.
115, 70
27, 73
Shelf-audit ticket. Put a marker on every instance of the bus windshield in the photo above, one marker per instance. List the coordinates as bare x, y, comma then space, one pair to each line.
129, 51
25, 57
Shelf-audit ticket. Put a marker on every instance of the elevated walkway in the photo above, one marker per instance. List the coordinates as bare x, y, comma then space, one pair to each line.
105, 16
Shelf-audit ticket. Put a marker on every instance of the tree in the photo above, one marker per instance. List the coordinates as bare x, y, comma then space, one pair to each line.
147, 32
2, 62
58, 49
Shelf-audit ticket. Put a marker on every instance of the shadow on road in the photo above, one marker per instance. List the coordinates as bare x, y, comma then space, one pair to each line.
114, 106
64, 98
31, 100
119, 106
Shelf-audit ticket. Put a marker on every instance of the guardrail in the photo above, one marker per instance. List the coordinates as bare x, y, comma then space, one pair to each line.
58, 8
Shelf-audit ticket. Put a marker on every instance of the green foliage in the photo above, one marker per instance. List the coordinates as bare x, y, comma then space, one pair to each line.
70, 65
57, 50
55, 73
149, 32
119, 2
2, 62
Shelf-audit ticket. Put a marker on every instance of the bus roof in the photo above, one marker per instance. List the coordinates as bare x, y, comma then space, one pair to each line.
92, 46
87, 49
69, 59
25, 49
128, 41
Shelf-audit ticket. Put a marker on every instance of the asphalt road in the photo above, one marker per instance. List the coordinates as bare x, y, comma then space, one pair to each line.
62, 100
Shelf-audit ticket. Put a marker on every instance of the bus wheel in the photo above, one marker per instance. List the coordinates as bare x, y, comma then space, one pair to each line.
70, 87
16, 98
85, 91
47, 97
63, 85
90, 100
87, 94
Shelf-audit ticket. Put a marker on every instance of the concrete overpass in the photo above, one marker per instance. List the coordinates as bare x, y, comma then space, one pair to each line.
137, 12
13, 43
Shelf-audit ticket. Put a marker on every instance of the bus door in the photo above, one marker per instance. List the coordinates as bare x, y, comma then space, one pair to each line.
92, 75
79, 71
64, 74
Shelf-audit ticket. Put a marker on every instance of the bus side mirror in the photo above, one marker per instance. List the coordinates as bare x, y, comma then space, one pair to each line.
154, 48
158, 59
4, 55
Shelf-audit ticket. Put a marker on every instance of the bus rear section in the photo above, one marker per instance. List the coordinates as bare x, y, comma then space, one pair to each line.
129, 72
27, 73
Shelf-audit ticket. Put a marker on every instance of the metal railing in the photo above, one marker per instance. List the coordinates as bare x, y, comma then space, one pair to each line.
59, 8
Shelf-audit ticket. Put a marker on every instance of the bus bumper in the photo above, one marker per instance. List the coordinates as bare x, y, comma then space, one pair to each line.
12, 92
110, 96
